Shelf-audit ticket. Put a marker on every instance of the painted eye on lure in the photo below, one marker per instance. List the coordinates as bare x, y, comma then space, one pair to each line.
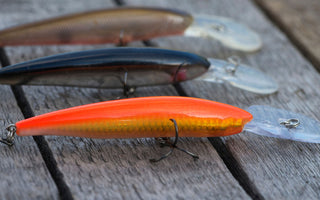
123, 25
134, 67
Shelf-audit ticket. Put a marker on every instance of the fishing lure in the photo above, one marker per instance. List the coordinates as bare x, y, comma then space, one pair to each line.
162, 116
137, 118
133, 67
122, 25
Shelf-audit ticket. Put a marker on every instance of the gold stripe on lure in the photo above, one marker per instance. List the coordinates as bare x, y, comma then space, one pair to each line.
138, 118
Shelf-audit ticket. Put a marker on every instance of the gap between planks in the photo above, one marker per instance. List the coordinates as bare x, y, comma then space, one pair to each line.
45, 151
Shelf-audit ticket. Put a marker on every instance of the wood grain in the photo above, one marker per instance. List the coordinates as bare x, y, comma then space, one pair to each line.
300, 21
120, 169
22, 170
279, 169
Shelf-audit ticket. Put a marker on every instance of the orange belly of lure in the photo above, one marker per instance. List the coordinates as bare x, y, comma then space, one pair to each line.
140, 117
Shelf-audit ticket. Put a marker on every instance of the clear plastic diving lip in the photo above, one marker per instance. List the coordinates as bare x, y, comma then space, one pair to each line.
278, 123
240, 76
229, 32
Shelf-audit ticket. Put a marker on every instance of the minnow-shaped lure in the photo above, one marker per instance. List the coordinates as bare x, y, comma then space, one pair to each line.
133, 67
162, 117
150, 117
139, 118
122, 25
143, 117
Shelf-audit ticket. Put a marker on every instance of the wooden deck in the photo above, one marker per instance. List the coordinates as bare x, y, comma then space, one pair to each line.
244, 166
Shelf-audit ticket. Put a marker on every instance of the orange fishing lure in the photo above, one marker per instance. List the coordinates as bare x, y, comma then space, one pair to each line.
140, 117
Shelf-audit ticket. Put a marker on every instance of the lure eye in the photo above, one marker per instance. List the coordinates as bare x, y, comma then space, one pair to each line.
180, 75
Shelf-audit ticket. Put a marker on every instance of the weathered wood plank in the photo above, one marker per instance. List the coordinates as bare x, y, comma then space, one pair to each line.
279, 169
300, 21
119, 169
23, 173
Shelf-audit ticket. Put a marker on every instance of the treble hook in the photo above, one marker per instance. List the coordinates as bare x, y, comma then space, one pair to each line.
121, 41
9, 135
127, 90
174, 146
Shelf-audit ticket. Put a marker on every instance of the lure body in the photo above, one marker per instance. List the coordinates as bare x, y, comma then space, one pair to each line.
140, 117
108, 68
104, 26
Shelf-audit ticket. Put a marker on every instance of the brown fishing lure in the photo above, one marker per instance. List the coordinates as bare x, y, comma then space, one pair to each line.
119, 25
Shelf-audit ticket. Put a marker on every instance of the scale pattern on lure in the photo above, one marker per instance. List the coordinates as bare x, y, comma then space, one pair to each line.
164, 116
140, 117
